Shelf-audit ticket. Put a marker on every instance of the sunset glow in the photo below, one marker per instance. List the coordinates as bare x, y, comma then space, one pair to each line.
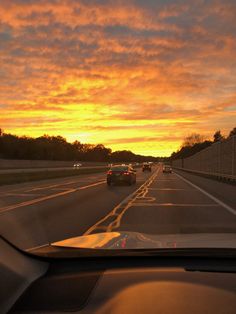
137, 75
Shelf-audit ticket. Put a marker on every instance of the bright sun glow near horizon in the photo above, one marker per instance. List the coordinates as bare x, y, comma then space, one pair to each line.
137, 75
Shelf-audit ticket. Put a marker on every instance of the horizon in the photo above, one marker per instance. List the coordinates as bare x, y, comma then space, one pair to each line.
71, 142
138, 76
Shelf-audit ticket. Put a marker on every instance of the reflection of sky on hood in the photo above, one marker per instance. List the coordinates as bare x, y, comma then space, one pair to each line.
136, 75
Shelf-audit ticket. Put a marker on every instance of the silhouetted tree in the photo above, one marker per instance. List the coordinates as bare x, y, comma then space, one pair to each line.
187, 151
48, 147
232, 132
218, 136
1, 143
193, 139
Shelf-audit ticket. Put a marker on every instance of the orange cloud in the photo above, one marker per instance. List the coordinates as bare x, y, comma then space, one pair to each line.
138, 75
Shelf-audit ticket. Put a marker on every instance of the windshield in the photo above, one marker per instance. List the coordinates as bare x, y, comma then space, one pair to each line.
120, 168
118, 124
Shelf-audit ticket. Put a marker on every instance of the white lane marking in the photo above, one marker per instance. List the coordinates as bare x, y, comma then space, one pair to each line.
216, 200
167, 189
173, 205
125, 201
166, 180
62, 181
58, 185
49, 186
45, 198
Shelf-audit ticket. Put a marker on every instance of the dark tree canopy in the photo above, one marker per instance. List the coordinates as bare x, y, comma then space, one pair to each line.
193, 139
232, 132
195, 142
187, 151
218, 136
57, 148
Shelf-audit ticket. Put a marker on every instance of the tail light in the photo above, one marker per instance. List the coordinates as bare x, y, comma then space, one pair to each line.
126, 173
109, 172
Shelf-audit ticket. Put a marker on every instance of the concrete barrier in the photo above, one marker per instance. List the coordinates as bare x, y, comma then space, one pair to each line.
217, 160
24, 164
28, 176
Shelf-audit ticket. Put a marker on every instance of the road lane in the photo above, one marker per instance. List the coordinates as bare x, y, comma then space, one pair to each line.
170, 205
106, 223
48, 197
159, 204
14, 194
48, 183
212, 197
56, 209
221, 190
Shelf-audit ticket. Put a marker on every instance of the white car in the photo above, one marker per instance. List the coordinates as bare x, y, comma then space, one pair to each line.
167, 169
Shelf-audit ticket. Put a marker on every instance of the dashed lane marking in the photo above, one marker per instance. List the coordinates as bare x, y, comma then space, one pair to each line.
25, 189
173, 205
45, 198
167, 189
57, 185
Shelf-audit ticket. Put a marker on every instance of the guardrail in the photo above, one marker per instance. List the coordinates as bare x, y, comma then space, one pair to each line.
217, 160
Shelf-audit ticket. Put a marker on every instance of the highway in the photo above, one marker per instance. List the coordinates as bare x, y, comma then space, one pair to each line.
35, 213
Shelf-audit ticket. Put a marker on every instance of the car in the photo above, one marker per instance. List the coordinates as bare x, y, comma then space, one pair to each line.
121, 174
167, 169
147, 167
77, 165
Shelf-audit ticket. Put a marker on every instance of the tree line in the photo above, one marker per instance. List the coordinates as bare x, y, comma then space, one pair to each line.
195, 142
57, 148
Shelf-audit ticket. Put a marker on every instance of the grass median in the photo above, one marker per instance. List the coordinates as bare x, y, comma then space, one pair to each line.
13, 178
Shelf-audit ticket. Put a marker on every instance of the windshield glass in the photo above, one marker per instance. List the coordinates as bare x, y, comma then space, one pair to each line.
120, 168
91, 88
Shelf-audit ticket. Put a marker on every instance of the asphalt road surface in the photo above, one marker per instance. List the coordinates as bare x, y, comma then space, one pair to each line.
35, 213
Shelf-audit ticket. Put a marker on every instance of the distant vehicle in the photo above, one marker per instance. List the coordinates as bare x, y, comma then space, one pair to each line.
121, 174
77, 165
167, 169
147, 167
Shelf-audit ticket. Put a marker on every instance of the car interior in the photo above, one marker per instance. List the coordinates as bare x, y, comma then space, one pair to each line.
141, 282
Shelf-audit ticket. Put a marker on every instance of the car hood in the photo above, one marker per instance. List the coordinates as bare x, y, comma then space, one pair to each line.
135, 240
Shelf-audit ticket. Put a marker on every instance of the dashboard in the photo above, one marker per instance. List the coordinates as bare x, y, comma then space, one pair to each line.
116, 284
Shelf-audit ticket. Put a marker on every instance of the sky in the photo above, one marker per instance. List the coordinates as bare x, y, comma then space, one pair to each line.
138, 75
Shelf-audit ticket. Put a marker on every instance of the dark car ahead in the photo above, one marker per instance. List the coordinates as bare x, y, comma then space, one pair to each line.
147, 167
121, 174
